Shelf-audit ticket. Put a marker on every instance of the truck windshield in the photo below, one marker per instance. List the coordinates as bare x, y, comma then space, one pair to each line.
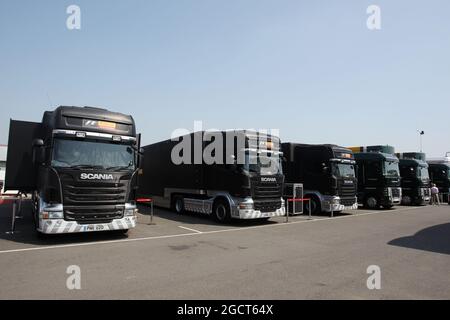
343, 170
422, 173
263, 165
391, 169
85, 154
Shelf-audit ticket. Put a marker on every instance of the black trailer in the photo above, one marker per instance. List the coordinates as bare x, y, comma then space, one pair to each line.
327, 173
79, 165
415, 176
229, 174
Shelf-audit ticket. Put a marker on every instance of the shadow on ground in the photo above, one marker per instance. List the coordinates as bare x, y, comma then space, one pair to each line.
199, 219
433, 239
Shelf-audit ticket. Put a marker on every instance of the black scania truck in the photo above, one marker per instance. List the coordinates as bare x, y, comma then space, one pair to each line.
439, 170
232, 174
378, 176
416, 181
327, 173
80, 166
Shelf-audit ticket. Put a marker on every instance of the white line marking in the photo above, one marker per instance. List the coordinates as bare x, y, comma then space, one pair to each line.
203, 233
189, 229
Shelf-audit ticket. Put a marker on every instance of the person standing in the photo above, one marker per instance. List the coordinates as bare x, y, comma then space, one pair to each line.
435, 195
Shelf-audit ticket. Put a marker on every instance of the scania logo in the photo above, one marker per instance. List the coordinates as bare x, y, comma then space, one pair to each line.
267, 179
96, 176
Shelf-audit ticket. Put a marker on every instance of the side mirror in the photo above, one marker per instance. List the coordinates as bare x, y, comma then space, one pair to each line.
37, 143
38, 151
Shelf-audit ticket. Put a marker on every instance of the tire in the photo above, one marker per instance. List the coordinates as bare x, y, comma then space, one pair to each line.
178, 204
315, 206
221, 211
371, 203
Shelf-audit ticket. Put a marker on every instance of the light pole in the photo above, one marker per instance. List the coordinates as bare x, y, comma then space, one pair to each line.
421, 133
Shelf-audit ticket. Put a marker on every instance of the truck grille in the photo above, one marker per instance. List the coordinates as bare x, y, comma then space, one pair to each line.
348, 202
395, 192
267, 206
267, 195
93, 201
426, 192
97, 214
347, 193
78, 193
266, 190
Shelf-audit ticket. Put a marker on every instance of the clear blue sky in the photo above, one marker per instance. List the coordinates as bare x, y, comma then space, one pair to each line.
310, 68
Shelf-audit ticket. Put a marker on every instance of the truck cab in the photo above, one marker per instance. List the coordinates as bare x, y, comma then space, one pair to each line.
82, 167
416, 181
378, 179
440, 175
439, 169
327, 173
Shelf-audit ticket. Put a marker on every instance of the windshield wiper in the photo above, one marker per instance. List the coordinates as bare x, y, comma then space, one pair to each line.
86, 166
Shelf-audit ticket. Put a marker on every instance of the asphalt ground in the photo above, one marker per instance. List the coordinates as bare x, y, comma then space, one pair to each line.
192, 257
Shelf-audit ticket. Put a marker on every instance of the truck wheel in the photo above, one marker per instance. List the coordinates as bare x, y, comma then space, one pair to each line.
315, 205
221, 211
371, 203
178, 204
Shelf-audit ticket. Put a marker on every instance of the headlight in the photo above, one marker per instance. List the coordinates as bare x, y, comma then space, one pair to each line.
335, 201
52, 215
130, 212
245, 206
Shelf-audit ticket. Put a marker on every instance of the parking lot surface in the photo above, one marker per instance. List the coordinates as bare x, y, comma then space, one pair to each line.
191, 257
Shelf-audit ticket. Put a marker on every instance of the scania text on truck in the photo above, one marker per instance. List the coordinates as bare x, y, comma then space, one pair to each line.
416, 181
439, 170
80, 166
244, 182
378, 176
327, 173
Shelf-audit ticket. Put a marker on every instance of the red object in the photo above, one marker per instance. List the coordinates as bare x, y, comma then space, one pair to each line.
298, 199
6, 201
143, 200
